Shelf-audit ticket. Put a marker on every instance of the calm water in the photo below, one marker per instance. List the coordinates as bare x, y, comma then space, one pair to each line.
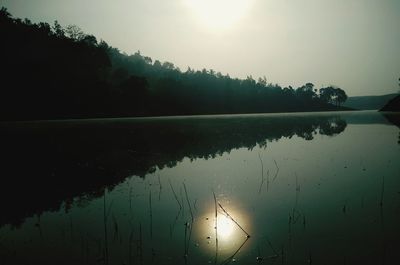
320, 188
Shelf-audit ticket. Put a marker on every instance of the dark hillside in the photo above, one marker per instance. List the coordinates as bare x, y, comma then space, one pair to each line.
51, 72
392, 105
368, 102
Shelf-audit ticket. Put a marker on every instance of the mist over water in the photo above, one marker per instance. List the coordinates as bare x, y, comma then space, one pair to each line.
305, 188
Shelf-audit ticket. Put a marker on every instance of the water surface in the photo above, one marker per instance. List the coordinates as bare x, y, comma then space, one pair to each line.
305, 188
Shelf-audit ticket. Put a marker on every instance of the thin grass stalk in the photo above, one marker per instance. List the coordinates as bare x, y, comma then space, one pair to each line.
175, 196
216, 228
188, 201
227, 214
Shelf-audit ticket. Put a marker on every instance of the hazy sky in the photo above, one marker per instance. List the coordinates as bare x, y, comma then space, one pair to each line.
354, 44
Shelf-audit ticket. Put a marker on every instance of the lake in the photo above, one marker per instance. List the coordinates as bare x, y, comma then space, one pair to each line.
301, 188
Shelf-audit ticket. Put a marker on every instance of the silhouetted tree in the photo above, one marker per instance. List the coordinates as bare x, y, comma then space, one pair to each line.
74, 32
341, 96
333, 95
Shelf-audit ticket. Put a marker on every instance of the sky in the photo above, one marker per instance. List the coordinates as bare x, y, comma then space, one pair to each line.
353, 44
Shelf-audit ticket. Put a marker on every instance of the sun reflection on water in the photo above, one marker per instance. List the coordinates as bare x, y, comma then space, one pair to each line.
227, 228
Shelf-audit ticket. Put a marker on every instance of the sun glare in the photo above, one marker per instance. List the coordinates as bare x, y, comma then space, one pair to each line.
225, 226
219, 14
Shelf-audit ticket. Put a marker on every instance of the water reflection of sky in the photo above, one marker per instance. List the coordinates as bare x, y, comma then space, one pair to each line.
324, 201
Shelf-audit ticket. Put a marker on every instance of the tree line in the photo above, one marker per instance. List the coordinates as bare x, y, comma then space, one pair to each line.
52, 72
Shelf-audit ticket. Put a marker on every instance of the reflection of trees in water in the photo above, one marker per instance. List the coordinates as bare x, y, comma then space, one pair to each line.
332, 127
59, 161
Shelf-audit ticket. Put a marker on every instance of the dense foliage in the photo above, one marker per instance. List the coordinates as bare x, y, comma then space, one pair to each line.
55, 72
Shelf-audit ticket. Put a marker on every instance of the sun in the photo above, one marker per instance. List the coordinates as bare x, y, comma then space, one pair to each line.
219, 14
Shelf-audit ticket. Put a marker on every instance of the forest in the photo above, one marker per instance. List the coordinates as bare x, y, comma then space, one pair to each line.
55, 72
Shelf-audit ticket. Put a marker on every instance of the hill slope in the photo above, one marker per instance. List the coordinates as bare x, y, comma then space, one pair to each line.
392, 105
368, 102
51, 72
